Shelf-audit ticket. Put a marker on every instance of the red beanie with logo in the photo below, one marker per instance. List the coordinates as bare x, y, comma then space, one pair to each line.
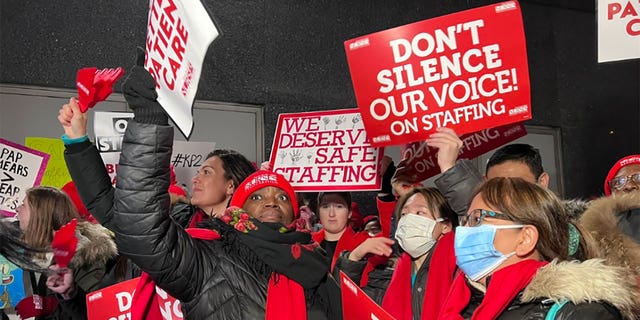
259, 180
628, 160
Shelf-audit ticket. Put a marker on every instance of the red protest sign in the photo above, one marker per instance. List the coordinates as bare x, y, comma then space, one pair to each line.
112, 302
325, 151
419, 161
64, 243
466, 71
357, 305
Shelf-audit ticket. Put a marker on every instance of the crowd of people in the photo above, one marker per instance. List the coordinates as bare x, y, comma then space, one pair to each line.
244, 245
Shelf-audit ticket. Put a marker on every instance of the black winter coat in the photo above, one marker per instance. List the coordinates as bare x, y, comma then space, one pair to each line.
210, 278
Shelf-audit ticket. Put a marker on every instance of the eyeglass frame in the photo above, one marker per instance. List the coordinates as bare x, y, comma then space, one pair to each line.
483, 214
635, 177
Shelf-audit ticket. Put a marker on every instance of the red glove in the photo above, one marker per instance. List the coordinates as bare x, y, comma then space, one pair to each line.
36, 306
95, 85
64, 243
86, 91
104, 80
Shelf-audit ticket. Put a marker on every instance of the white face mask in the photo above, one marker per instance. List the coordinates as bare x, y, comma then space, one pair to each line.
415, 234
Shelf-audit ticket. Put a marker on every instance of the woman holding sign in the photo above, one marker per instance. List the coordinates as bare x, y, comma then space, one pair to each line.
249, 264
43, 211
513, 256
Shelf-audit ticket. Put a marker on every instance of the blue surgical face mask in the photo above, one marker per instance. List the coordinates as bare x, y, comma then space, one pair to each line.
475, 253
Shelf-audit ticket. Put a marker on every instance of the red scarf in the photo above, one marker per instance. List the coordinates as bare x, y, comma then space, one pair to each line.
285, 289
504, 286
197, 217
385, 212
348, 241
145, 301
442, 267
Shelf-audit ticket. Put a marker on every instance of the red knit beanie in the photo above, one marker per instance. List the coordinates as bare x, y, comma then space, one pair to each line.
628, 160
259, 180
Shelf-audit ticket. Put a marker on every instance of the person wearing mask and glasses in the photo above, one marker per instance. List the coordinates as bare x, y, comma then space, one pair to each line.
513, 256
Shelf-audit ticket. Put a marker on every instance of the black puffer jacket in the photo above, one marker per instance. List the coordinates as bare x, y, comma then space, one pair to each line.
211, 280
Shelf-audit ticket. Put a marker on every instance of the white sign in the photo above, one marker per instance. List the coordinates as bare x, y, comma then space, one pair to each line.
325, 151
109, 129
187, 157
618, 30
178, 35
20, 169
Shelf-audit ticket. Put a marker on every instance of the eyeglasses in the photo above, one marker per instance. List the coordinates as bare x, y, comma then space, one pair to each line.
620, 182
475, 217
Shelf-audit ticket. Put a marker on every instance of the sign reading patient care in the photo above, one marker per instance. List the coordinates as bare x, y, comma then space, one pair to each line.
466, 71
20, 169
109, 128
325, 150
618, 30
419, 161
178, 35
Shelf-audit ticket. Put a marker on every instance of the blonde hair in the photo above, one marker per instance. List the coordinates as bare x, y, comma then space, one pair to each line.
49, 210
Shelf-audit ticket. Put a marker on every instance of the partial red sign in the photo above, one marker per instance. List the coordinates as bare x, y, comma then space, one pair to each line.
325, 151
466, 71
419, 161
114, 302
357, 305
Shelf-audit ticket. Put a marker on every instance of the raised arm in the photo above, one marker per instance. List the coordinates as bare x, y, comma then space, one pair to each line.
458, 178
85, 165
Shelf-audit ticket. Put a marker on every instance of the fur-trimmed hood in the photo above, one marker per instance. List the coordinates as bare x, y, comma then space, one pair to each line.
575, 207
588, 281
601, 220
95, 245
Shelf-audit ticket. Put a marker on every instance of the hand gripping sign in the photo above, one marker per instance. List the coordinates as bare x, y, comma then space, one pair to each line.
466, 71
178, 35
419, 161
95, 85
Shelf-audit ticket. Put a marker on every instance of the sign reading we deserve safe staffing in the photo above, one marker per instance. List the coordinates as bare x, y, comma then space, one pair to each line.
466, 71
325, 151
20, 169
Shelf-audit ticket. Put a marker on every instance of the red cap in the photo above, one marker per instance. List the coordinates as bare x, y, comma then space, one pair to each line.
628, 160
259, 180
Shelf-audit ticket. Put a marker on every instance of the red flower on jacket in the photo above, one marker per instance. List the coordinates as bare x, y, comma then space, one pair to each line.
239, 219
296, 250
